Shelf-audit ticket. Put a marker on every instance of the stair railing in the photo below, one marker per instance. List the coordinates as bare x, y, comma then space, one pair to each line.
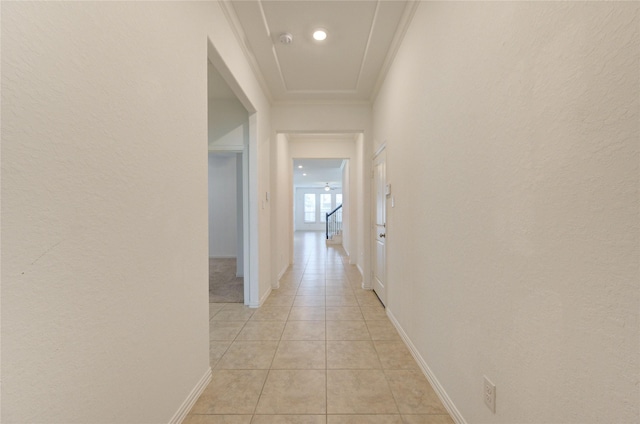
334, 222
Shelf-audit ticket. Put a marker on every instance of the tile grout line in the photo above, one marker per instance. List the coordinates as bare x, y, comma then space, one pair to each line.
326, 352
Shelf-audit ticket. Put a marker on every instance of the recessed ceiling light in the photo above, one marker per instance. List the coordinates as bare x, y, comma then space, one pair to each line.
304, 175
319, 34
299, 166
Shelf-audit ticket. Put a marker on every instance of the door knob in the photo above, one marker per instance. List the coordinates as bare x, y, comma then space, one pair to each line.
382, 235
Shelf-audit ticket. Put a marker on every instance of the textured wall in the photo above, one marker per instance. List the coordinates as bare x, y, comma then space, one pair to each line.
104, 206
512, 133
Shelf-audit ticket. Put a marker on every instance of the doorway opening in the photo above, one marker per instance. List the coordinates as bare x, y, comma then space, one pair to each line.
318, 192
231, 133
315, 153
226, 252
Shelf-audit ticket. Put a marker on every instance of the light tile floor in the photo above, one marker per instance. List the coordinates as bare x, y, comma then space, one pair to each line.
319, 351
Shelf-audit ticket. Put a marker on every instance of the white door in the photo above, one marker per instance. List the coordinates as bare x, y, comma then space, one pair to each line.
380, 226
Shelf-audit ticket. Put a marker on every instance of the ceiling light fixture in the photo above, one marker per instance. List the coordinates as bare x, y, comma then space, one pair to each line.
304, 175
327, 188
319, 34
299, 166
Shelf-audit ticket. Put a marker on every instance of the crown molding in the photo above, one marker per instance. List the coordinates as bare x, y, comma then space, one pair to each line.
301, 136
321, 102
238, 32
366, 49
403, 26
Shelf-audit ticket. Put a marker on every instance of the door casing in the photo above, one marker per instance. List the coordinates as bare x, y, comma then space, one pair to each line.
379, 225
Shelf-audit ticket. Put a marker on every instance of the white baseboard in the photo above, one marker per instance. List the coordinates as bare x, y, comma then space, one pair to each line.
282, 272
442, 394
262, 300
276, 284
366, 285
186, 406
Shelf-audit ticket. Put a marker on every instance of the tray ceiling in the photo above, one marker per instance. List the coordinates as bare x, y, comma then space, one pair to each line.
348, 65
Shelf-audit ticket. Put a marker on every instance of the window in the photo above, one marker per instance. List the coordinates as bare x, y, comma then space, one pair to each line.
338, 199
325, 206
309, 207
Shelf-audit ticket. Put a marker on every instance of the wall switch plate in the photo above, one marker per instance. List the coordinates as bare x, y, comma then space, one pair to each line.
489, 394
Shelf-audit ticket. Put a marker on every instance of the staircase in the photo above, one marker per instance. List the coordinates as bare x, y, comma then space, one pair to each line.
333, 225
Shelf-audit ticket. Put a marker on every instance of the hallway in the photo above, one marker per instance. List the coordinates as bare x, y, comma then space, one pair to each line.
321, 350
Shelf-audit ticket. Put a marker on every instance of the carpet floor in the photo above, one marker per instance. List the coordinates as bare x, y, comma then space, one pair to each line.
224, 286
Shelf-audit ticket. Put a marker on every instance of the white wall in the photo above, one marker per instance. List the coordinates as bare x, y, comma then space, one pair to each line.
346, 208
228, 123
240, 211
223, 205
512, 144
360, 207
281, 218
104, 206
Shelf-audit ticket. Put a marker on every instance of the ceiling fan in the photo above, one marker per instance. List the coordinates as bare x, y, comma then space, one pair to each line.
327, 188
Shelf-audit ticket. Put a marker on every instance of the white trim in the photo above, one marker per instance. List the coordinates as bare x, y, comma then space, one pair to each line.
442, 394
226, 149
367, 49
251, 235
323, 102
216, 60
262, 300
252, 273
379, 150
238, 32
280, 274
188, 403
403, 26
373, 220
365, 286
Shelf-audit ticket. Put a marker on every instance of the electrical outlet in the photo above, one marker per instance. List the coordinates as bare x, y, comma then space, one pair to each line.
489, 394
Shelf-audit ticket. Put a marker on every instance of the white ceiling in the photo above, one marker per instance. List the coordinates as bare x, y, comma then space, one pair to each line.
319, 172
349, 65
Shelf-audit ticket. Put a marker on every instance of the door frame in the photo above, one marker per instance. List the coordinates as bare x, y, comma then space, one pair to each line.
246, 263
377, 153
249, 153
